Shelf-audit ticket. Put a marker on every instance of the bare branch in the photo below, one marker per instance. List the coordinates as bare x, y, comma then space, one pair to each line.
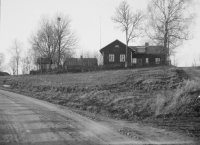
16, 50
128, 22
2, 59
169, 22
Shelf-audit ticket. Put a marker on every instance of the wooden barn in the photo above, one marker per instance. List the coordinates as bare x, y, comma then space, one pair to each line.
44, 64
115, 52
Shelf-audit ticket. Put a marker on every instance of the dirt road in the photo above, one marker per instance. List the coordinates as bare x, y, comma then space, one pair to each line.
28, 121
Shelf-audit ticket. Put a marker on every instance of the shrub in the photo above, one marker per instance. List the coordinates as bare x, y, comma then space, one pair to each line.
176, 102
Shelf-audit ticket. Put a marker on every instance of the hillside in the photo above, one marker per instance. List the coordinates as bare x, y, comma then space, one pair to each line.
149, 94
110, 90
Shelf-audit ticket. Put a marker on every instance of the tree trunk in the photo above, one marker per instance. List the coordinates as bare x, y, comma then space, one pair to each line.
17, 67
41, 64
59, 43
126, 62
165, 48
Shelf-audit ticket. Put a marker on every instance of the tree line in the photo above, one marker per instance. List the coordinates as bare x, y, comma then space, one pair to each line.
166, 22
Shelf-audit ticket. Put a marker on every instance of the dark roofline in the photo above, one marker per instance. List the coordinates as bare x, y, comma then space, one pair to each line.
148, 46
113, 42
44, 60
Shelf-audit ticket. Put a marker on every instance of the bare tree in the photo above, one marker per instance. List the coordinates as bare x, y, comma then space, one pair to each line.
16, 50
2, 59
26, 64
98, 56
87, 54
128, 22
176, 60
169, 23
12, 65
194, 63
44, 40
199, 60
54, 39
66, 40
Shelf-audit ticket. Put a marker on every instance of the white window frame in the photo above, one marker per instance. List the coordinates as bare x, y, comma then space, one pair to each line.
157, 60
111, 57
122, 57
134, 60
147, 60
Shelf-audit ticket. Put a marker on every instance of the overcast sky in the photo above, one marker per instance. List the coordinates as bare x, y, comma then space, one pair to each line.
19, 18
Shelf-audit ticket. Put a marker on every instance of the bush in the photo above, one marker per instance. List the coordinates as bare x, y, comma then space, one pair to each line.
181, 101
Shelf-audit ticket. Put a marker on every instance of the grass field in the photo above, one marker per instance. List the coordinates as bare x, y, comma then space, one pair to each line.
72, 79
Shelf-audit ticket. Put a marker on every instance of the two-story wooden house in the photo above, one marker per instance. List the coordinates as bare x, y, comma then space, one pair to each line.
115, 52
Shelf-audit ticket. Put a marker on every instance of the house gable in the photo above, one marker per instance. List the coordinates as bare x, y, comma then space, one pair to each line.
115, 52
115, 44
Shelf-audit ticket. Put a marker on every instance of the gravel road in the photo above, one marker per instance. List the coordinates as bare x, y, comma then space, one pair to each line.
28, 121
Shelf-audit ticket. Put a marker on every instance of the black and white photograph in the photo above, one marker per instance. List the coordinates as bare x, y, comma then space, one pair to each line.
99, 72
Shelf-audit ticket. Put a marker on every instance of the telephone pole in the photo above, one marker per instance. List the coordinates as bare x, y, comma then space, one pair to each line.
100, 32
0, 24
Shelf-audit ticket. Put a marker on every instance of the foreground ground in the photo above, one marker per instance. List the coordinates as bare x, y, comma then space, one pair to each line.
28, 121
165, 98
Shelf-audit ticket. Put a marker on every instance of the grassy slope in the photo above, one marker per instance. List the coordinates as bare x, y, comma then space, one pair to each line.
148, 94
130, 94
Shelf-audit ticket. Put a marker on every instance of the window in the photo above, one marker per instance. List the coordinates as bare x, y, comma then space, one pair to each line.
140, 49
111, 58
147, 60
122, 57
134, 60
116, 48
157, 60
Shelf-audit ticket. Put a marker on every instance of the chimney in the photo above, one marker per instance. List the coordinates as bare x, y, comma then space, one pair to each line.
81, 56
146, 44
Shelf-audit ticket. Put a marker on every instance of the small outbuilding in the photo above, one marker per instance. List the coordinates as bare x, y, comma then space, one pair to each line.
44, 64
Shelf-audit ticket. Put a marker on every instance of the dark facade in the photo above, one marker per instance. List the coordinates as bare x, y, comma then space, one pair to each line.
136, 56
116, 48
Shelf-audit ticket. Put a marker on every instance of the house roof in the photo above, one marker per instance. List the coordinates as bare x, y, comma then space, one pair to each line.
44, 61
149, 49
112, 43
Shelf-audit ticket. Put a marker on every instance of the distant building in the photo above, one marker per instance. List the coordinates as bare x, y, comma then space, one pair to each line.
80, 62
115, 52
44, 64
